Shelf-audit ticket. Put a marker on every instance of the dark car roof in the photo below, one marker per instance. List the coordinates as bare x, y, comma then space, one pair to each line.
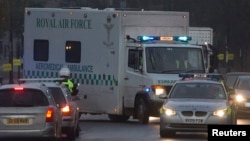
229, 82
237, 73
245, 76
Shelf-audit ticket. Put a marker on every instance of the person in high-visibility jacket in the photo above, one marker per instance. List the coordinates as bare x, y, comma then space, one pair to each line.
182, 63
65, 73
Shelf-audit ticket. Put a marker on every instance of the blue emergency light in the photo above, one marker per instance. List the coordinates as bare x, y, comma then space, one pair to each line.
164, 38
148, 38
182, 38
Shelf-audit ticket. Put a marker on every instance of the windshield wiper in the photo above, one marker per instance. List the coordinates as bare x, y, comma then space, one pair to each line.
172, 71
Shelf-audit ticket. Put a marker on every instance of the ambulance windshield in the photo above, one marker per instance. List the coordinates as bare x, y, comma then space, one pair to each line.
174, 60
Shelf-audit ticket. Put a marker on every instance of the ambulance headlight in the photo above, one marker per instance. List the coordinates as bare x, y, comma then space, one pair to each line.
158, 89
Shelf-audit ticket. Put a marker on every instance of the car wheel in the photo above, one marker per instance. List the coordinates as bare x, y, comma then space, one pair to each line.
71, 133
142, 112
78, 130
79, 115
166, 133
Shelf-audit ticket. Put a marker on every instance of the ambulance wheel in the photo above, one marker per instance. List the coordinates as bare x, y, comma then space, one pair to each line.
142, 112
118, 118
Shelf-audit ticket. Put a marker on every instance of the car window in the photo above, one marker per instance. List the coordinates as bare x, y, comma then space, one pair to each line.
198, 91
243, 84
230, 81
68, 94
22, 98
58, 95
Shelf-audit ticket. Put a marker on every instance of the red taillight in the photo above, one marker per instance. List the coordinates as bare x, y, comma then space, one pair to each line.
66, 110
49, 115
18, 88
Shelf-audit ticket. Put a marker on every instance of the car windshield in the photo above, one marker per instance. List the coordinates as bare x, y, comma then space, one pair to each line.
174, 60
198, 91
22, 98
243, 84
231, 80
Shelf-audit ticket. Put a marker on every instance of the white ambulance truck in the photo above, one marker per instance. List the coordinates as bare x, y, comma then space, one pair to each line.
123, 60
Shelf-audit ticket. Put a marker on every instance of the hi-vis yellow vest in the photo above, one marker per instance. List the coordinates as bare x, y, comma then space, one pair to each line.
69, 84
178, 64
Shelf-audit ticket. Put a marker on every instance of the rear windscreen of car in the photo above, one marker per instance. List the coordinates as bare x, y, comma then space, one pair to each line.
58, 95
22, 98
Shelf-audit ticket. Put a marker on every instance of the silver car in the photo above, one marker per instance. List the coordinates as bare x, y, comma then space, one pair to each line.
193, 104
69, 108
29, 111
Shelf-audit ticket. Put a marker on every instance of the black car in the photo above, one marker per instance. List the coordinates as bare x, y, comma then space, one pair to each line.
230, 78
241, 93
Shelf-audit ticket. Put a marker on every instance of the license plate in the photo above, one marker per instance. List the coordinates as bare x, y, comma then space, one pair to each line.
193, 120
17, 121
247, 104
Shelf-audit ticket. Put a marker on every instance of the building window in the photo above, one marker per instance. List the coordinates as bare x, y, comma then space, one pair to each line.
73, 52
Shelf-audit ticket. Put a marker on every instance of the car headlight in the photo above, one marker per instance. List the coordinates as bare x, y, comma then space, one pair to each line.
220, 112
240, 98
168, 111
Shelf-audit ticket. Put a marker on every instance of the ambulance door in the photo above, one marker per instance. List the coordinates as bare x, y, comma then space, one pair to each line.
133, 76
